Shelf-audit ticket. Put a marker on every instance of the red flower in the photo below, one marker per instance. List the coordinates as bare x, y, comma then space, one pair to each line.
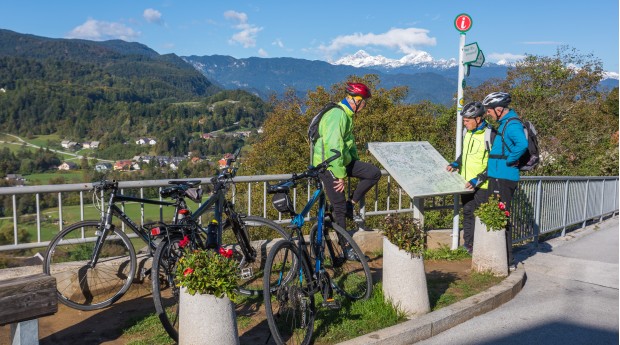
227, 253
184, 241
502, 206
188, 271
507, 213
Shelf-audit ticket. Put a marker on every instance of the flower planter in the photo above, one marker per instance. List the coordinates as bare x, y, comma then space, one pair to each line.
489, 250
206, 319
404, 280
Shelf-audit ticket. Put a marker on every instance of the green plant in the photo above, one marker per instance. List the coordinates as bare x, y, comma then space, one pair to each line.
208, 272
493, 214
406, 233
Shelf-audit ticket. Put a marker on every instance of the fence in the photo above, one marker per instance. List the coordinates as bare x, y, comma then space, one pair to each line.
541, 204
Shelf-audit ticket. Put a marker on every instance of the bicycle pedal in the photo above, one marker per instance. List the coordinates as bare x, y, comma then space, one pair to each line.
332, 304
246, 273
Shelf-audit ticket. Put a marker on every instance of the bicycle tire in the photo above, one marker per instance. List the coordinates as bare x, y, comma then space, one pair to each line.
165, 289
262, 233
82, 287
349, 277
289, 303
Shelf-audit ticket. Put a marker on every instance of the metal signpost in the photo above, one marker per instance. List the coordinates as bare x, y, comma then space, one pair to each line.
462, 23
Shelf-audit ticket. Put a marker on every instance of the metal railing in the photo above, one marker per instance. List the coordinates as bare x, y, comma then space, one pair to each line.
541, 204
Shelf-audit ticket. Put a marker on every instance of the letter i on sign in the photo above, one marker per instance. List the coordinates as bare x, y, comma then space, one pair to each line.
463, 22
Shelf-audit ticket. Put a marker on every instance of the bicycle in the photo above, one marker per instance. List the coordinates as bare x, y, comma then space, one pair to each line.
93, 261
249, 239
294, 273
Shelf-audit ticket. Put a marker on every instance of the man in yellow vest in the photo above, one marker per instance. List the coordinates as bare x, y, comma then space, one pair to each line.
472, 165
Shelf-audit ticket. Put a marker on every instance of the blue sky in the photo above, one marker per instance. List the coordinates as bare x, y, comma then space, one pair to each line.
329, 30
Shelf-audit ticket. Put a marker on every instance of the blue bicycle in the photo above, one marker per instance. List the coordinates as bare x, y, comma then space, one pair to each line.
326, 261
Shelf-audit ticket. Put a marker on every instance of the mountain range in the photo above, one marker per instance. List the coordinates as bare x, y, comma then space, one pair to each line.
427, 79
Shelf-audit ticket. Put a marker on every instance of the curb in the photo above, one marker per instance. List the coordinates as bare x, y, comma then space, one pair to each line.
428, 325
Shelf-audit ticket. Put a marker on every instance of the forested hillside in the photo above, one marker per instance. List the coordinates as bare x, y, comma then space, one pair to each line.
113, 92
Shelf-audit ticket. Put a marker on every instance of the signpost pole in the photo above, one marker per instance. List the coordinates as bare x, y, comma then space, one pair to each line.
459, 141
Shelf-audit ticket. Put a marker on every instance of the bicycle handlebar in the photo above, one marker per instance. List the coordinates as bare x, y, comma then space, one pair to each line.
105, 185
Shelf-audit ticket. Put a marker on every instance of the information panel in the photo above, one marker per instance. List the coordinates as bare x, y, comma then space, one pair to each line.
418, 168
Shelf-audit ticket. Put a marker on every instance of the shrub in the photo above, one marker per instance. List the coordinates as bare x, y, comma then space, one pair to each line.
406, 233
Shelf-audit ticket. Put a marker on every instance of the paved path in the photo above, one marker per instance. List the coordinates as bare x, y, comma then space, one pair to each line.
570, 296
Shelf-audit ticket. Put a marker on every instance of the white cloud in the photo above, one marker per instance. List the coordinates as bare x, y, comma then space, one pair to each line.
152, 16
278, 42
505, 58
248, 32
97, 30
262, 53
404, 40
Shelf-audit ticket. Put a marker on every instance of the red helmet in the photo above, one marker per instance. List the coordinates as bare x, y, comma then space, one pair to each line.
358, 89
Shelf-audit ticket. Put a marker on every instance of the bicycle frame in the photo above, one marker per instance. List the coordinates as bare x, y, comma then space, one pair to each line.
114, 210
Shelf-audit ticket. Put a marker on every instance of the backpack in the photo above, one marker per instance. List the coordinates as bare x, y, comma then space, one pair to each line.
313, 129
531, 157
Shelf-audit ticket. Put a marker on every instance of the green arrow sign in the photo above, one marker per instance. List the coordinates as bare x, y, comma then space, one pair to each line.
479, 61
470, 52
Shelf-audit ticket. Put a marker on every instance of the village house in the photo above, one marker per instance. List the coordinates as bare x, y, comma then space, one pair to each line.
146, 141
15, 179
90, 144
102, 167
122, 165
68, 144
68, 166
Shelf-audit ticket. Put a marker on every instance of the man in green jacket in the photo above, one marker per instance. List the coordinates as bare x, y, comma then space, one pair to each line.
472, 165
336, 132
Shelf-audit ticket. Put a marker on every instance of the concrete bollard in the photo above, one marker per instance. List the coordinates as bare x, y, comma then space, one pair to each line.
489, 250
404, 280
206, 320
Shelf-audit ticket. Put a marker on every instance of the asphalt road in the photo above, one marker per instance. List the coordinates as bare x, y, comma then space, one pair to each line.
570, 296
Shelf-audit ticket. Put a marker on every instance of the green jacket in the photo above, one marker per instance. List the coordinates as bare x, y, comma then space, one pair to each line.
473, 161
336, 132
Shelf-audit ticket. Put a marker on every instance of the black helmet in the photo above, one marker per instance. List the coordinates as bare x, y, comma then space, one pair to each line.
497, 99
472, 110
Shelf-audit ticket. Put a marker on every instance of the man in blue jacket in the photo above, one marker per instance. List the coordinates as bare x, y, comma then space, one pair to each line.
505, 153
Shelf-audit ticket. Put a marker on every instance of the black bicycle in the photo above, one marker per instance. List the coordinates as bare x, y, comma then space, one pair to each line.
93, 261
296, 270
249, 237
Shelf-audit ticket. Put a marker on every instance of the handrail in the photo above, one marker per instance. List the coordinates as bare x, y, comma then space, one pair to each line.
542, 204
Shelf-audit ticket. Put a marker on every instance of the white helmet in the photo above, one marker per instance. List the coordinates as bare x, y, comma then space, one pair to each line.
497, 99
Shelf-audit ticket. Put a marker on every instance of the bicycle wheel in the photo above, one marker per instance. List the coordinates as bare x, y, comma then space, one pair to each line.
290, 305
262, 233
165, 289
79, 285
344, 261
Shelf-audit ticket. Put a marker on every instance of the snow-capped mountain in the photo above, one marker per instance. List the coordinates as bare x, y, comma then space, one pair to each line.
420, 59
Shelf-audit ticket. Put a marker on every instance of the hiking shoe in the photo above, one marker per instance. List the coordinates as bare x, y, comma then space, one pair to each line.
469, 249
351, 256
512, 267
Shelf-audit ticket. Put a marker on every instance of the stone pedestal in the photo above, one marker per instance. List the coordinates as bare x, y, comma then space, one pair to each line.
206, 320
489, 250
404, 280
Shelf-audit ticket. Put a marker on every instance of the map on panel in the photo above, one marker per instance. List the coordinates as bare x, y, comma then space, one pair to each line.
418, 168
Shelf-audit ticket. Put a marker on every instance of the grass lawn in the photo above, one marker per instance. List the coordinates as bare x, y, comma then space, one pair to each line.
44, 178
41, 140
71, 214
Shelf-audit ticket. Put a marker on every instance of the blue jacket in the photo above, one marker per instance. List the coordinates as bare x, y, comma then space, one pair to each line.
516, 144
